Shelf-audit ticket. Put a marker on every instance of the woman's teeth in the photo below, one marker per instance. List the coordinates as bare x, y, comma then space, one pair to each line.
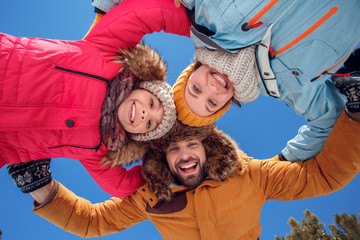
220, 79
132, 113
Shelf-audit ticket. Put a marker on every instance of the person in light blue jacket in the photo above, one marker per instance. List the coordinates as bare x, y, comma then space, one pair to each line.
297, 43
279, 48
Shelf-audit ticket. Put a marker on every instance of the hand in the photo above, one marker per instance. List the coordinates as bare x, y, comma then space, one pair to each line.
30, 176
349, 85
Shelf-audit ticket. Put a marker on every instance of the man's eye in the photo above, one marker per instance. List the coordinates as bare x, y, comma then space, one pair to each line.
196, 89
212, 103
151, 103
172, 149
149, 124
192, 144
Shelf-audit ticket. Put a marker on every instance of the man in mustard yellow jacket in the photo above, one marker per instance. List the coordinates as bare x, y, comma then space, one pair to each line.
201, 186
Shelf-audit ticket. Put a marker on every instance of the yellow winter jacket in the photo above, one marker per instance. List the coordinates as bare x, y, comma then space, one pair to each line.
217, 210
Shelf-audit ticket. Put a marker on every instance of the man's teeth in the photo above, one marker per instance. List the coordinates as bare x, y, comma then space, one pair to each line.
220, 79
188, 166
132, 113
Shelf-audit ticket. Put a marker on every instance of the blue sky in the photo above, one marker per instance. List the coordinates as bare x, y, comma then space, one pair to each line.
261, 128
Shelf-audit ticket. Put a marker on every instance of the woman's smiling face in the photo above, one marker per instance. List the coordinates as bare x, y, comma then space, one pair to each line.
140, 112
207, 91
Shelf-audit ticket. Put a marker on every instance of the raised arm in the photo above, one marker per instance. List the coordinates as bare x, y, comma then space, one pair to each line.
321, 118
117, 181
126, 24
79, 216
58, 205
332, 169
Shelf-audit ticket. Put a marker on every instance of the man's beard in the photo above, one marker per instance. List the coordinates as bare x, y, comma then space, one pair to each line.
190, 181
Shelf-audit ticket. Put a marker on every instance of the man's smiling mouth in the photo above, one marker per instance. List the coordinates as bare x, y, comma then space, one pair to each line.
188, 168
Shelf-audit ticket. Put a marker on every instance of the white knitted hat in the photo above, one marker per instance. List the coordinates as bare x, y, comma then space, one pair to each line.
240, 68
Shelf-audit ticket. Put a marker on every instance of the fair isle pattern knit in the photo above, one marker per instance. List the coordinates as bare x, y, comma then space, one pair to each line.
240, 68
163, 92
350, 87
30, 176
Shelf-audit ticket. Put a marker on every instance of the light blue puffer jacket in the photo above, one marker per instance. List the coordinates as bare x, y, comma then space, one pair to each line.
308, 38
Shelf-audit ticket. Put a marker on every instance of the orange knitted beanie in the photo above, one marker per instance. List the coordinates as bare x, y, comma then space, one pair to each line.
184, 114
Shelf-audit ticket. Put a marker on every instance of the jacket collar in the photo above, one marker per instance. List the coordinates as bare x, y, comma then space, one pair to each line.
152, 198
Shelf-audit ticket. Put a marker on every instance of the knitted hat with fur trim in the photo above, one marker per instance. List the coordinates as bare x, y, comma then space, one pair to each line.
147, 65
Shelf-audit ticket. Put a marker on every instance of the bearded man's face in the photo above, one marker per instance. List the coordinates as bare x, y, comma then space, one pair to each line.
186, 160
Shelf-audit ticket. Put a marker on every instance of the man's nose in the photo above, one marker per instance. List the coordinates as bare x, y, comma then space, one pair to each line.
184, 154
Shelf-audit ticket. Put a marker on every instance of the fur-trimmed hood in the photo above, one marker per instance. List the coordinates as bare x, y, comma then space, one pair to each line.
147, 65
144, 62
221, 151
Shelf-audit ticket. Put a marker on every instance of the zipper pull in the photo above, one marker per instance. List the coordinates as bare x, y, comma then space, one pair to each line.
246, 27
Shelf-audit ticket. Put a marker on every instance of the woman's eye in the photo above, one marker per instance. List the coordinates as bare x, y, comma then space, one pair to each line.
149, 124
212, 103
151, 103
196, 89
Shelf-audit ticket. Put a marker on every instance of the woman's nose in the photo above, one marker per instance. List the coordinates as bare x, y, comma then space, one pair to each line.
143, 115
213, 87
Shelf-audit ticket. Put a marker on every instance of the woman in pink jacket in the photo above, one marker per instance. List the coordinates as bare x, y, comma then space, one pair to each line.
52, 91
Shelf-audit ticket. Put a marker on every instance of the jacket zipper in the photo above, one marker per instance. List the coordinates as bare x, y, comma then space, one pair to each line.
253, 22
83, 74
89, 148
331, 12
328, 70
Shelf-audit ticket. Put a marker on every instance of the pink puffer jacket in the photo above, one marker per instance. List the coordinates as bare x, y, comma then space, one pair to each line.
51, 91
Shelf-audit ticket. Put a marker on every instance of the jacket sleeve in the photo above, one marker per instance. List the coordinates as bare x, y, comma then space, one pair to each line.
118, 181
332, 169
321, 110
126, 24
79, 216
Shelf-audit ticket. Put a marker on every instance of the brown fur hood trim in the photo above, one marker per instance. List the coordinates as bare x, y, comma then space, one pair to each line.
131, 152
144, 62
147, 65
221, 151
